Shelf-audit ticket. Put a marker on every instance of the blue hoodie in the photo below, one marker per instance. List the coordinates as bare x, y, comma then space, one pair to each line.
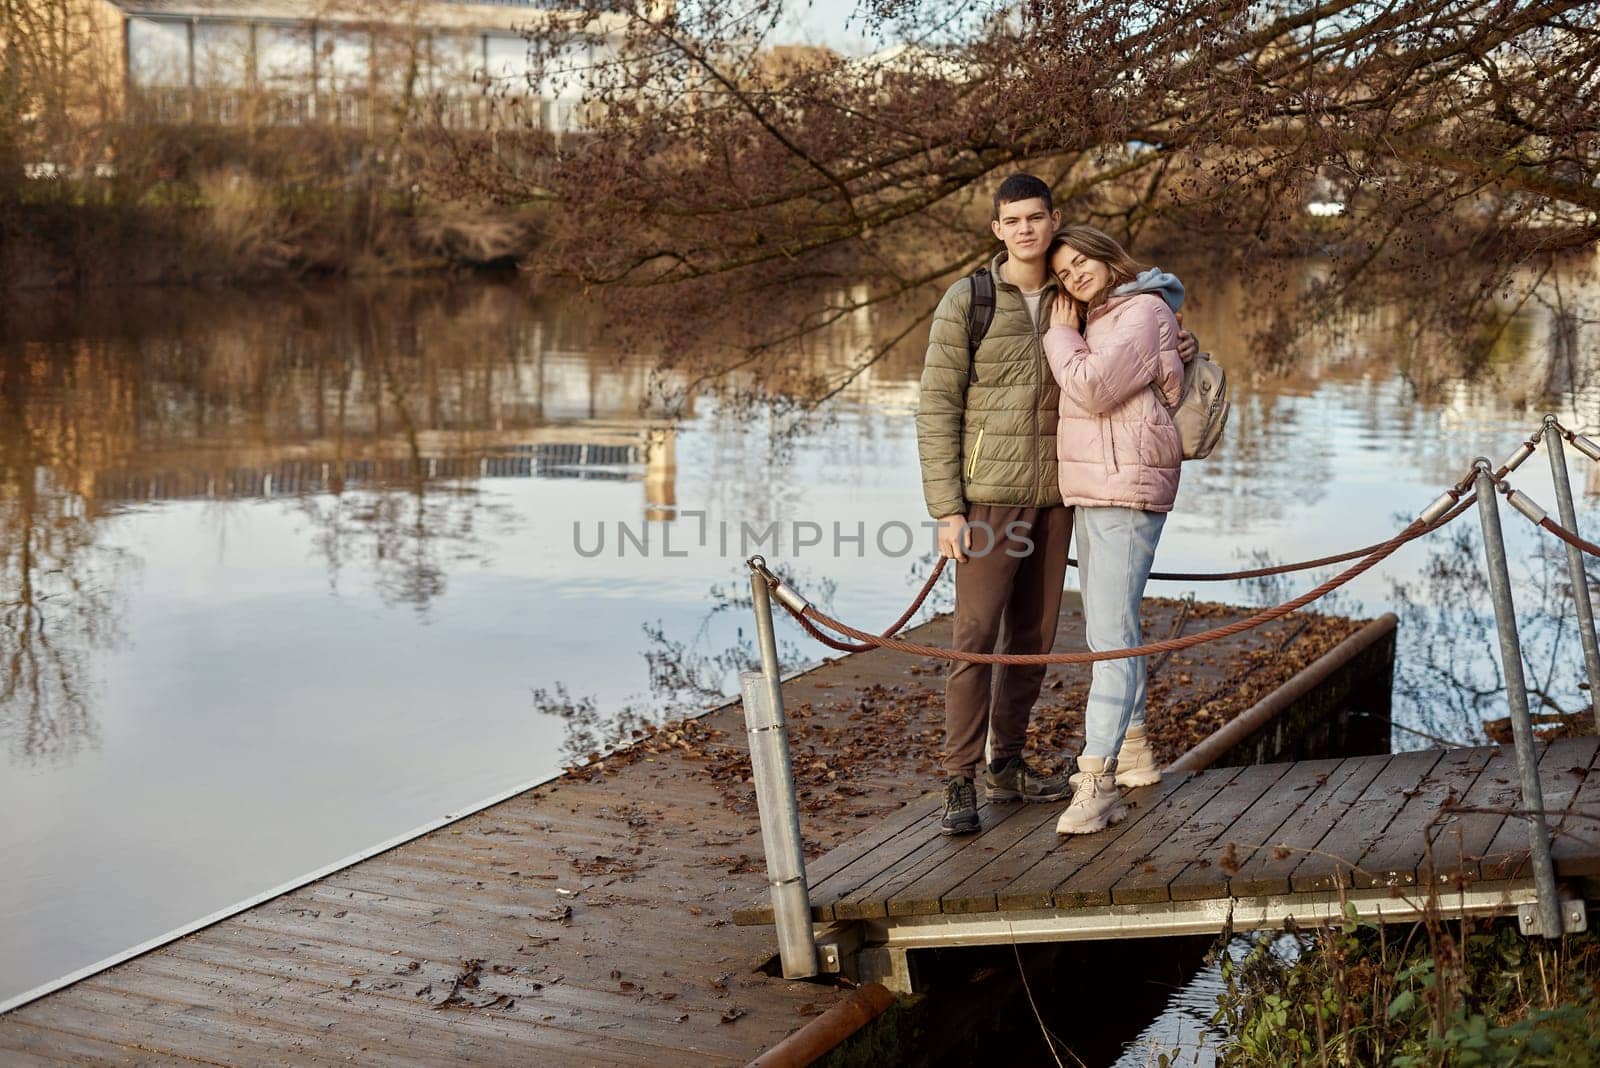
1157, 281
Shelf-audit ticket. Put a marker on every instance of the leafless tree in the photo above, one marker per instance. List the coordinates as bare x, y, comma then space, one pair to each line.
756, 194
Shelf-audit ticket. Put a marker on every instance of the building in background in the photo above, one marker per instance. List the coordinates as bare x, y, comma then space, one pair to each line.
353, 63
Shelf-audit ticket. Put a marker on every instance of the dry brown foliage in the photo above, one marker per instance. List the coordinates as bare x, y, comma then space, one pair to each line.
759, 196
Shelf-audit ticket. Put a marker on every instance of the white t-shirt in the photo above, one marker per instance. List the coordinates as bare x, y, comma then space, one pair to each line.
1032, 301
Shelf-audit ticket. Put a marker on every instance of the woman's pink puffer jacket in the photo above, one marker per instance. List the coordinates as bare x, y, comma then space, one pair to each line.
1116, 442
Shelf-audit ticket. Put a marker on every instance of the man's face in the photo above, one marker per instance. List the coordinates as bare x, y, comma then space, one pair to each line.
1026, 227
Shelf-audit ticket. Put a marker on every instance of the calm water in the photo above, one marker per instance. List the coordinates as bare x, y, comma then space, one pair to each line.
285, 575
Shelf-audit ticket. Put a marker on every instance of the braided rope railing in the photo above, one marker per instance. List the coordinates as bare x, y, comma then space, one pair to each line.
1540, 518
1577, 541
1445, 509
1524, 450
893, 628
1432, 519
1305, 565
1532, 511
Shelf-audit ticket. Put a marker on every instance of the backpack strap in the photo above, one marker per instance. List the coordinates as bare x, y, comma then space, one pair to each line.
979, 316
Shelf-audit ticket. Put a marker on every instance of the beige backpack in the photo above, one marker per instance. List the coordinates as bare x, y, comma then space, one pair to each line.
1202, 410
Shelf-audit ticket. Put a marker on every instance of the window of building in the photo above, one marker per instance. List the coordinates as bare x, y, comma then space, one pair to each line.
158, 52
283, 58
507, 64
222, 55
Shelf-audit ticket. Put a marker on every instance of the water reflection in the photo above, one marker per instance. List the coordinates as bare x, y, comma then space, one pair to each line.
331, 530
700, 669
377, 417
60, 583
1448, 668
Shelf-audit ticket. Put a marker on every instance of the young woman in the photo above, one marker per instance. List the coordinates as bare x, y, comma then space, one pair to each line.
1113, 346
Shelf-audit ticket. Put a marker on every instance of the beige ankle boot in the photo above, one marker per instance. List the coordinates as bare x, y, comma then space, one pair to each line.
1136, 761
1096, 802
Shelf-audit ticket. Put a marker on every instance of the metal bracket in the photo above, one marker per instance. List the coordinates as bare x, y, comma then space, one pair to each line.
837, 946
1574, 916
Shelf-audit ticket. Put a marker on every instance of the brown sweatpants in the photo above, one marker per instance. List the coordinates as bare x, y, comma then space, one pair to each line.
1022, 590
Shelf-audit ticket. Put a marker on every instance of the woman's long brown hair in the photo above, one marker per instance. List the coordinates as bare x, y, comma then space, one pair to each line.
1096, 245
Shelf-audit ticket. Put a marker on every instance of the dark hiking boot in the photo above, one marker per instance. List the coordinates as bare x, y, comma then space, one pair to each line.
1012, 780
960, 806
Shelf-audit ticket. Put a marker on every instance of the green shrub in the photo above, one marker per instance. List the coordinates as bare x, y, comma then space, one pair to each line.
1434, 993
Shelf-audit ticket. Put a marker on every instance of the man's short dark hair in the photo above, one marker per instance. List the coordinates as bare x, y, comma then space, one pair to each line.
1022, 187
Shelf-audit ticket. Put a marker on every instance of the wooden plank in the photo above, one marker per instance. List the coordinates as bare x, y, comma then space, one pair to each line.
463, 932
871, 899
570, 960
844, 883
1461, 840
1268, 870
1329, 866
1091, 884
540, 987
1207, 876
912, 815
920, 894
1026, 875
529, 885
541, 1016
26, 1044
928, 894
1575, 848
1394, 858
1507, 855
836, 860
347, 1021
588, 968
331, 1027
180, 1032
1148, 876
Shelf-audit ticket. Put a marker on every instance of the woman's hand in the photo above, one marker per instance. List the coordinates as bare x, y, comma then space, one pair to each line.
1188, 347
1065, 313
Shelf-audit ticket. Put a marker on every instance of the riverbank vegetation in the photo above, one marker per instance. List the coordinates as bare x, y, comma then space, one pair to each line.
1436, 993
223, 205
229, 176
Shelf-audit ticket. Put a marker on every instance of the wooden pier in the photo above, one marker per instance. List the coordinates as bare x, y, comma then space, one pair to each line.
1254, 846
587, 921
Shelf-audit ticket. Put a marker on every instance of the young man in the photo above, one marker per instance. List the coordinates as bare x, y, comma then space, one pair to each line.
986, 435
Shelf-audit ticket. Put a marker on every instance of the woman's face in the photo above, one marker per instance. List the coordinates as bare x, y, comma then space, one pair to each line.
1080, 276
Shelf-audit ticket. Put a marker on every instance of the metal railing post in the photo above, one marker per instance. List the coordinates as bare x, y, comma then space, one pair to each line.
1579, 577
775, 794
1494, 547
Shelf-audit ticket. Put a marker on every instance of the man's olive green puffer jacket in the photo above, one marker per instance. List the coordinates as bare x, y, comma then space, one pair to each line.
986, 428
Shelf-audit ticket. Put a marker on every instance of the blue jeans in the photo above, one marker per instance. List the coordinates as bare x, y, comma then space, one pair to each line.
1116, 547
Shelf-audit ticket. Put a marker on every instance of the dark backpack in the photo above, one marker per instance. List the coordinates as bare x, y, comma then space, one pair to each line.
979, 316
